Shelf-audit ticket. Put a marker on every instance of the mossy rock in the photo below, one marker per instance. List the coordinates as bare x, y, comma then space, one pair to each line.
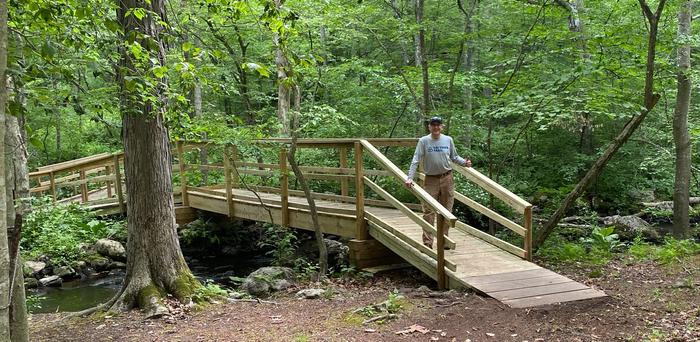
268, 279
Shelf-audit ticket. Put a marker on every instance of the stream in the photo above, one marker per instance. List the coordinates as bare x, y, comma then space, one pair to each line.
85, 293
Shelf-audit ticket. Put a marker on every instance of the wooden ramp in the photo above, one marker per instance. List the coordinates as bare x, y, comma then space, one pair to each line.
382, 230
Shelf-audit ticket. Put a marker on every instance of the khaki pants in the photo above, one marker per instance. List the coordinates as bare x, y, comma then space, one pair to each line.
442, 189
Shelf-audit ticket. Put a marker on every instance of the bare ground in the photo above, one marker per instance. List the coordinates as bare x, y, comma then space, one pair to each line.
648, 302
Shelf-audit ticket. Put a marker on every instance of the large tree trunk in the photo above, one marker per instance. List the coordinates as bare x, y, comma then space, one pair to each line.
681, 137
17, 192
284, 102
650, 100
155, 265
5, 286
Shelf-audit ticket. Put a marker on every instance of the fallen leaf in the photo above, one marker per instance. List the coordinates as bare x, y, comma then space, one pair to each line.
490, 334
443, 334
370, 330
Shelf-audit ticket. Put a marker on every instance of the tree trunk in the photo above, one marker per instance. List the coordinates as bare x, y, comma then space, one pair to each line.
422, 60
5, 282
284, 101
17, 189
155, 265
650, 100
681, 137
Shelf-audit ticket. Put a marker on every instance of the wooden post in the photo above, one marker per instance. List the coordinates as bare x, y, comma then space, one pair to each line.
527, 224
344, 164
83, 187
284, 187
361, 232
52, 183
183, 174
118, 184
441, 280
235, 181
108, 182
229, 184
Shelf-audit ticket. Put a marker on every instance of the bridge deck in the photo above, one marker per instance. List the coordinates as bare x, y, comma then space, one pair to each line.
478, 264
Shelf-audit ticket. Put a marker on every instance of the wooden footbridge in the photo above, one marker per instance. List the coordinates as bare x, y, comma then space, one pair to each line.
380, 227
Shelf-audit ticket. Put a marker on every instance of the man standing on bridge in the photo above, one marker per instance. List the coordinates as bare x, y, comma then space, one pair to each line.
436, 150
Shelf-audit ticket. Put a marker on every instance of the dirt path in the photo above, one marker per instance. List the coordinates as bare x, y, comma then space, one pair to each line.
647, 302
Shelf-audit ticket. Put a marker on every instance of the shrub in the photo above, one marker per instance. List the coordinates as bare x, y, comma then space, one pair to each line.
603, 239
673, 250
57, 230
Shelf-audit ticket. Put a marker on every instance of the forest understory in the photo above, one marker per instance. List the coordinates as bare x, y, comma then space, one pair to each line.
648, 301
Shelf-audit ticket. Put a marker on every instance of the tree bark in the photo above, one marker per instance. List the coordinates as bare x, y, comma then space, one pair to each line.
155, 265
284, 102
17, 193
681, 136
422, 60
5, 282
650, 100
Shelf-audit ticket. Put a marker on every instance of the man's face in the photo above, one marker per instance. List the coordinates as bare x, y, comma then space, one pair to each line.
435, 128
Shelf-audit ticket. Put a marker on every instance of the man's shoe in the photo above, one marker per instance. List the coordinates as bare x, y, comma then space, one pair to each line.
429, 245
447, 248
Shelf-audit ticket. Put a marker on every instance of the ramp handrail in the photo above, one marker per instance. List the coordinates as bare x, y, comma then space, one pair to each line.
443, 215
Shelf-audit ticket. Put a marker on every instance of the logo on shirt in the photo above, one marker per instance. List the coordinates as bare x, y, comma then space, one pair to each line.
438, 148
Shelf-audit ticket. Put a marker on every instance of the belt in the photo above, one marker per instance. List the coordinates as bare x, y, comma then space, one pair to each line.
441, 175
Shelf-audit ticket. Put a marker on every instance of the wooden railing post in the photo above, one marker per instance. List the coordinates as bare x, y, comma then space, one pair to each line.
527, 224
228, 180
235, 181
441, 279
118, 183
183, 174
83, 186
361, 232
284, 187
344, 165
52, 182
108, 182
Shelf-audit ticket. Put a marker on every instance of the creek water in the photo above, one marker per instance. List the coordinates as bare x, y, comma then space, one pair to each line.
82, 294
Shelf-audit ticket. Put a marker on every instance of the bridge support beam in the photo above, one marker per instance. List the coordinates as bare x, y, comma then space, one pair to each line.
370, 253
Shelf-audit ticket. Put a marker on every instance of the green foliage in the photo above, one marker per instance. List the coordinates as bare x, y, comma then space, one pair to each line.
603, 239
674, 250
642, 250
57, 230
281, 243
208, 292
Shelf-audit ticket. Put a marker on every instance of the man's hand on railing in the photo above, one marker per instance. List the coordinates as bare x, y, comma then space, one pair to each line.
408, 183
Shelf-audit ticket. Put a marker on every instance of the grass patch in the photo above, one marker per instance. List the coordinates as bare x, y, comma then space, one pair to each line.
671, 251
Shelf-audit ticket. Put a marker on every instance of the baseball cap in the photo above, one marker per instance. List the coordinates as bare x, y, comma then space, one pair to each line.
435, 120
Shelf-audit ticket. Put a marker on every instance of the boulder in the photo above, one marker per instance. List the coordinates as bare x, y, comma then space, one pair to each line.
111, 249
34, 267
268, 279
116, 265
31, 283
311, 293
338, 252
65, 273
628, 227
98, 262
52, 281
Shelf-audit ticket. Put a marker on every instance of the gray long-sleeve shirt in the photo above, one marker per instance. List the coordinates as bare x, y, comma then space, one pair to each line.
436, 155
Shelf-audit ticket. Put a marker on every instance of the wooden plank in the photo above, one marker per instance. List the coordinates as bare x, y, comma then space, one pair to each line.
405, 210
490, 213
343, 164
414, 257
534, 291
440, 236
415, 189
83, 181
108, 182
183, 174
509, 276
554, 298
83, 187
413, 243
228, 181
52, 184
523, 283
513, 200
385, 268
519, 252
284, 187
361, 231
118, 184
527, 224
